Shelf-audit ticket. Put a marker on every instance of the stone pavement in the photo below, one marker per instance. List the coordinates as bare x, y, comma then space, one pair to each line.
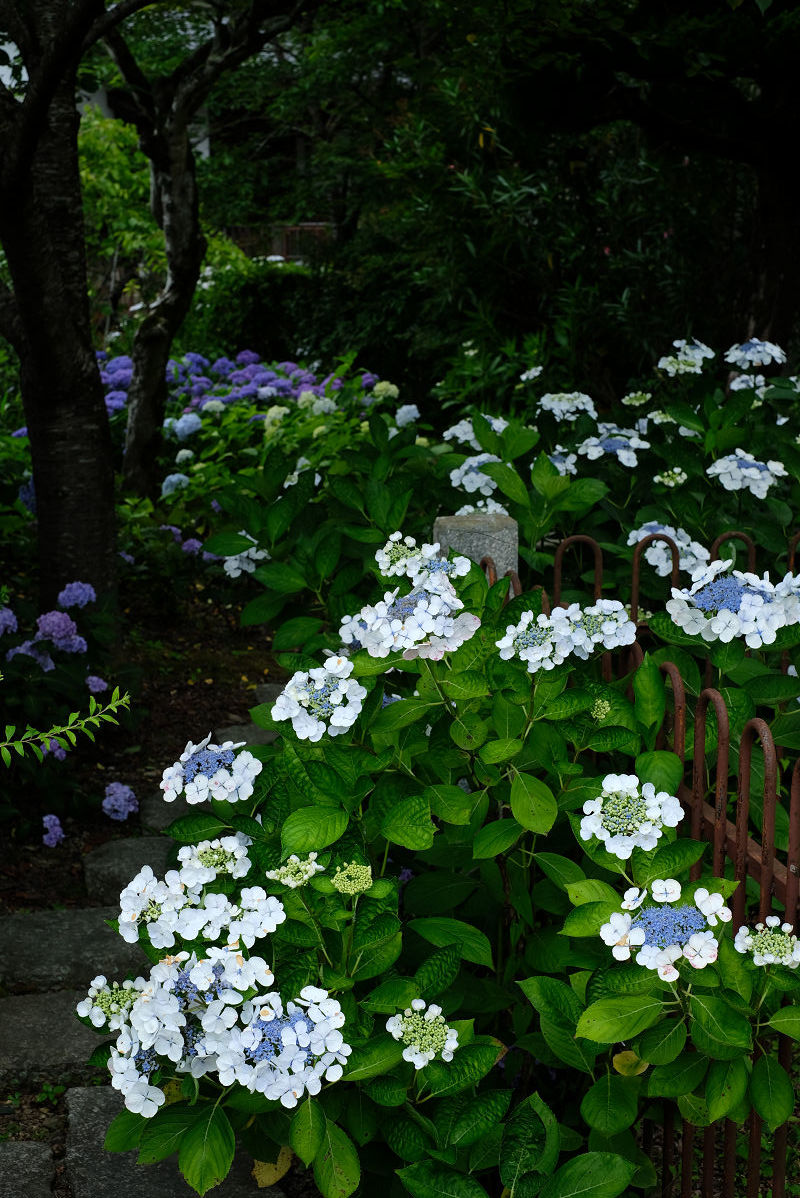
47, 959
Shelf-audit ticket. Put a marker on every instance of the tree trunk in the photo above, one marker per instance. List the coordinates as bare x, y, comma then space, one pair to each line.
41, 227
175, 206
774, 305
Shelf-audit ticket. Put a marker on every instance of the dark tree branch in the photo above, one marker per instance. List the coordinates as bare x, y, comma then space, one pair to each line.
18, 27
9, 316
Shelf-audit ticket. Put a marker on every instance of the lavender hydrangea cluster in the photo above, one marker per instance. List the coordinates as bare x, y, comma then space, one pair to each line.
620, 443
665, 931
208, 771
120, 801
245, 562
723, 603
740, 471
77, 594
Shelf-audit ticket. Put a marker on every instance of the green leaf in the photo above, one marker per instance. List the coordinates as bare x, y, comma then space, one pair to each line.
432, 893
786, 1020
771, 1092
163, 1134
533, 804
559, 1036
377, 1056
438, 973
669, 861
549, 996
206, 1149
650, 698
190, 829
559, 869
495, 838
720, 1021
590, 1175
402, 714
392, 995
337, 1170
726, 1086
430, 1179
467, 729
530, 1144
508, 481
588, 919
471, 684
495, 751
611, 1019
451, 803
439, 930
662, 1043
408, 823
312, 828
680, 1076
772, 689
591, 890
732, 970
610, 1105
478, 1116
307, 1130
227, 544
294, 633
283, 577
662, 768
470, 1063
124, 1132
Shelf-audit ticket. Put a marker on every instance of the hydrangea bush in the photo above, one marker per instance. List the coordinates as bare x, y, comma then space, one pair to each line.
450, 936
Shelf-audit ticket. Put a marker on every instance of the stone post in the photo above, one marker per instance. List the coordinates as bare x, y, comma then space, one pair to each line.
480, 535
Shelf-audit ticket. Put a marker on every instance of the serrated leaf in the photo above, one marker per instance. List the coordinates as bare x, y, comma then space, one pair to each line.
441, 931
612, 1019
610, 1105
307, 1130
206, 1149
590, 1175
337, 1170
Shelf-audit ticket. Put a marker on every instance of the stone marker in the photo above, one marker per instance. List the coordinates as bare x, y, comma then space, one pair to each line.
480, 535
156, 815
109, 868
71, 947
94, 1173
250, 733
26, 1170
41, 1038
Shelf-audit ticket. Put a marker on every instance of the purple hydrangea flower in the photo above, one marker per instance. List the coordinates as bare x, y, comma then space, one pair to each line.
127, 557
77, 594
177, 535
29, 649
115, 401
368, 380
53, 832
20, 432
72, 644
120, 801
8, 621
51, 748
192, 546
121, 363
222, 366
216, 506
96, 684
173, 483
247, 357
27, 496
55, 626
101, 355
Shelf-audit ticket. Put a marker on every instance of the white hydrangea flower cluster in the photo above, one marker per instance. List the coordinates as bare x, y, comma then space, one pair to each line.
662, 934
464, 627
469, 476
543, 642
488, 506
530, 374
402, 557
205, 771
284, 1053
564, 461
628, 814
407, 413
398, 622
424, 1032
568, 405
620, 443
675, 477
170, 908
202, 863
769, 943
109, 1003
636, 399
236, 564
692, 555
754, 353
325, 699
723, 603
688, 360
464, 432
740, 471
749, 382
295, 871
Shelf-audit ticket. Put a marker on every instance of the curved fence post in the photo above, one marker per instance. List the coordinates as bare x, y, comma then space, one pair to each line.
755, 728
736, 535
650, 539
578, 538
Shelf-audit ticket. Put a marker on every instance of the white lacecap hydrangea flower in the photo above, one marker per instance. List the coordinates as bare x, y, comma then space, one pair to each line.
108, 1004
402, 557
740, 471
464, 627
568, 405
295, 871
149, 901
398, 622
321, 700
620, 443
206, 771
564, 461
236, 564
749, 382
769, 943
202, 863
723, 603
675, 477
424, 1033
489, 507
284, 1053
754, 353
636, 399
628, 814
543, 642
691, 554
688, 360
662, 934
273, 416
530, 374
469, 476
465, 433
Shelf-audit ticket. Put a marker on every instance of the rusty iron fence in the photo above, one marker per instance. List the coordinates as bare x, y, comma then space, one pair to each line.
704, 1160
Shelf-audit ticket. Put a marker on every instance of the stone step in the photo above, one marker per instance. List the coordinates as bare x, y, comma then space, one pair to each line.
267, 692
26, 1170
156, 815
70, 948
94, 1173
109, 868
41, 1038
251, 734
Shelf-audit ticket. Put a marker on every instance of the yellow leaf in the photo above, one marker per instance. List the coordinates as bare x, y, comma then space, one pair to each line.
628, 1064
266, 1174
172, 1092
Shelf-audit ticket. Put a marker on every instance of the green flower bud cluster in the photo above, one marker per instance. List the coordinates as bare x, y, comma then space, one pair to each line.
352, 878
